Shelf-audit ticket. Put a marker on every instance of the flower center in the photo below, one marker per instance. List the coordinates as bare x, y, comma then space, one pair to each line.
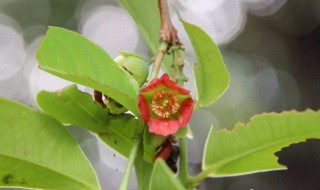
165, 103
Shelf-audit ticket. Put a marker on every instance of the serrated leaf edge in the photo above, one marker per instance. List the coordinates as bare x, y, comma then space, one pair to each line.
238, 126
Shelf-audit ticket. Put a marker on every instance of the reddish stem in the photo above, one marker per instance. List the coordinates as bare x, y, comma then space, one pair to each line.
168, 33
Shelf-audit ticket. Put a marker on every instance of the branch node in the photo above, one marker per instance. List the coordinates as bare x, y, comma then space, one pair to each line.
168, 33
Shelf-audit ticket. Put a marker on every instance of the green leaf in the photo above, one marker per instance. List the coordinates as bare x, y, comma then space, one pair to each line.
212, 76
250, 148
151, 143
38, 152
70, 56
149, 25
184, 132
120, 132
143, 170
71, 106
163, 178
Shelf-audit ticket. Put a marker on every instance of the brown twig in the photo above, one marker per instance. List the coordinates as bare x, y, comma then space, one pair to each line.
168, 33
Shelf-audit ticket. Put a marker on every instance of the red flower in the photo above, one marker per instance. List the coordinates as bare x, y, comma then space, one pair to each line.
165, 106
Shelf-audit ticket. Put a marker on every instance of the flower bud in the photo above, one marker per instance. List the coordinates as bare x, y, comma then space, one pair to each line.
134, 65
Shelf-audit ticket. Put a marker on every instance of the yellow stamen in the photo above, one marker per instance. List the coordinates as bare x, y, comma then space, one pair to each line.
165, 103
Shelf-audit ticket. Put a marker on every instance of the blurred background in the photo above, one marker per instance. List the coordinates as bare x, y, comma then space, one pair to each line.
271, 48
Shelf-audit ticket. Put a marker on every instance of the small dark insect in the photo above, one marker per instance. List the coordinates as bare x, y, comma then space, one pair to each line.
169, 153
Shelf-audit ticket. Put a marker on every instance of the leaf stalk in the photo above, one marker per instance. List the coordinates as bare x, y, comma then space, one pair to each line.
133, 154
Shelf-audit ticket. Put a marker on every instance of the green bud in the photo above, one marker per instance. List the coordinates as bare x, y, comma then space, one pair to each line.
134, 65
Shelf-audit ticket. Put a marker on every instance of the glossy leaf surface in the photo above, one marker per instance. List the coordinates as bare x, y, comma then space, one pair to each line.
212, 76
38, 152
163, 178
70, 56
143, 170
71, 106
119, 133
250, 148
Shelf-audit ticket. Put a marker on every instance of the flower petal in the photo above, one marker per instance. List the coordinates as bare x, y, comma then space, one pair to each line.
165, 80
153, 84
163, 127
173, 85
186, 111
144, 108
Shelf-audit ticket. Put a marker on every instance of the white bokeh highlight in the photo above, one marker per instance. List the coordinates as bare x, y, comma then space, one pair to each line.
11, 48
263, 7
223, 20
111, 28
